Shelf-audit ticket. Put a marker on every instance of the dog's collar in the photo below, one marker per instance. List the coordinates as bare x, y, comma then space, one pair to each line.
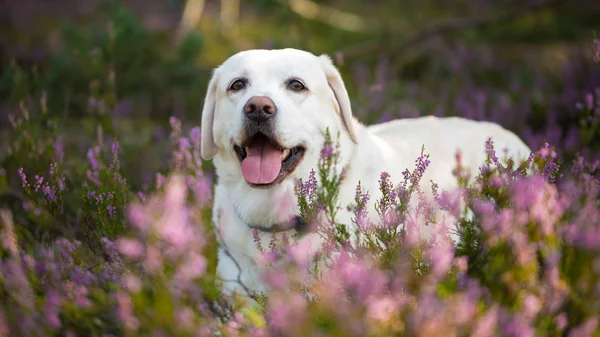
296, 223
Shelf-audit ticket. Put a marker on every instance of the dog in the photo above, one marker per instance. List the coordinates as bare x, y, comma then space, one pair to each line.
264, 121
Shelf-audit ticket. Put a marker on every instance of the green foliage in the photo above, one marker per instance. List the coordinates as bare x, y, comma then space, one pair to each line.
100, 65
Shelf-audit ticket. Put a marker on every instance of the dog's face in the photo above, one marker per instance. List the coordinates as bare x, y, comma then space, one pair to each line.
265, 116
269, 109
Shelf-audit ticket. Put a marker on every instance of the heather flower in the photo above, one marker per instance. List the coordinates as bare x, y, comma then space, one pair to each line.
59, 153
360, 210
193, 267
115, 151
385, 206
327, 151
111, 210
185, 318
486, 325
491, 152
50, 193
561, 321
421, 165
382, 309
93, 158
51, 309
442, 256
596, 50
131, 248
195, 135
23, 178
125, 312
287, 313
132, 283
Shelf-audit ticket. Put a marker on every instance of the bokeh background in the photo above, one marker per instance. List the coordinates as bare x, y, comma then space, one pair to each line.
120, 69
100, 102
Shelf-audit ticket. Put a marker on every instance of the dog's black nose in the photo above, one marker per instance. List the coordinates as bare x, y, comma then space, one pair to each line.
260, 108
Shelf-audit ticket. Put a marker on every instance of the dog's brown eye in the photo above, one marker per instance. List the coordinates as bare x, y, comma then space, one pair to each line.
296, 85
237, 85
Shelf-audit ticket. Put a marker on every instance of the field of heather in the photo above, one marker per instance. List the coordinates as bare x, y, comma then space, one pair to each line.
105, 201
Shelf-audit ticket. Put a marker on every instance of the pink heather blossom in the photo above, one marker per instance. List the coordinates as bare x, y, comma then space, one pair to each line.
23, 178
93, 158
277, 279
587, 328
51, 309
132, 283
561, 321
486, 325
204, 189
154, 260
287, 313
160, 180
131, 248
176, 193
125, 312
466, 309
532, 305
193, 267
302, 252
382, 309
195, 135
59, 153
185, 318
442, 256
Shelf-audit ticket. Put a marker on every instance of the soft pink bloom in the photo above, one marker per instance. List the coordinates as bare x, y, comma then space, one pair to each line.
486, 325
132, 283
287, 313
532, 305
442, 256
131, 248
382, 309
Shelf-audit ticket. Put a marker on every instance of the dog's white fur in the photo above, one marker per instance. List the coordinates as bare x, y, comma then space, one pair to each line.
302, 118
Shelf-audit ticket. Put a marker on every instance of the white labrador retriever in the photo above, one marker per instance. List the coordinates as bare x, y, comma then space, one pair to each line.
264, 122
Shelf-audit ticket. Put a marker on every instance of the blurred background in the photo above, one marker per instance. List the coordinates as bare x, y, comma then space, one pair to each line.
102, 69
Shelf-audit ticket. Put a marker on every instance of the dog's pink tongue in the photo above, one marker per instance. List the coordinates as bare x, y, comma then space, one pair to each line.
262, 163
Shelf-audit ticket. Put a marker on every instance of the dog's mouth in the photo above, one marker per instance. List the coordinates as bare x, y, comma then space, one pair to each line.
265, 162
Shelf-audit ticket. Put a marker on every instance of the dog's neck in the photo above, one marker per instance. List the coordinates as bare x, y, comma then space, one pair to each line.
296, 223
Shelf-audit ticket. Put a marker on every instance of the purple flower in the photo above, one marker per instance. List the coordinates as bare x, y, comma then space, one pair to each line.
287, 313
66, 248
326, 152
115, 151
587, 328
38, 182
125, 311
52, 309
195, 135
23, 178
596, 50
50, 193
110, 248
421, 165
309, 188
491, 152
59, 153
93, 157
111, 210
131, 248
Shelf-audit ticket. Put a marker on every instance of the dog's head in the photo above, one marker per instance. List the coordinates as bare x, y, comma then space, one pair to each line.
269, 110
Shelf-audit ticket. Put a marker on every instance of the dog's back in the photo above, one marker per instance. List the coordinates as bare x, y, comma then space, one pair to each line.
443, 137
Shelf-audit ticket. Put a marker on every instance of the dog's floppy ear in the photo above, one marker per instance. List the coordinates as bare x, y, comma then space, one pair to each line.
208, 147
334, 79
